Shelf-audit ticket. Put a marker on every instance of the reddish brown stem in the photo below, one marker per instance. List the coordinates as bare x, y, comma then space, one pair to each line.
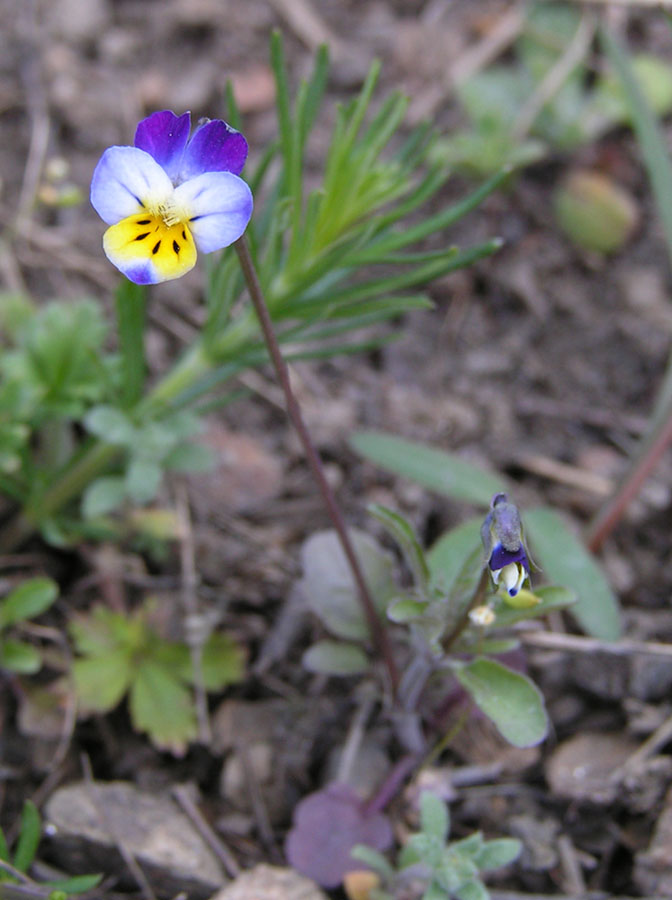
612, 512
379, 635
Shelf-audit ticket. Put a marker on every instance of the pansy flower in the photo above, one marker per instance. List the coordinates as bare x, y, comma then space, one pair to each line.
171, 195
502, 536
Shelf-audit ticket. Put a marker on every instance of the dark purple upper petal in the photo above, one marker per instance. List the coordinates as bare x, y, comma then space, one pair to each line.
214, 147
164, 136
501, 557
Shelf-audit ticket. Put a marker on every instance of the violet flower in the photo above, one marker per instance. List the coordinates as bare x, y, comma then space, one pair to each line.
171, 195
502, 536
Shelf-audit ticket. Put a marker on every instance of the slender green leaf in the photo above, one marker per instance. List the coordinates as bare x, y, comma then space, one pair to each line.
4, 848
27, 601
434, 469
565, 560
652, 142
508, 698
76, 884
233, 116
308, 104
29, 837
403, 534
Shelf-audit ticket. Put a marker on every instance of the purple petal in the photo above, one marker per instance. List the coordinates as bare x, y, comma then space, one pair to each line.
220, 206
502, 557
214, 147
164, 136
124, 180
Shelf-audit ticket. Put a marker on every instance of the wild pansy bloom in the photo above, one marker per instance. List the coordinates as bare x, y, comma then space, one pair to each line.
170, 195
502, 536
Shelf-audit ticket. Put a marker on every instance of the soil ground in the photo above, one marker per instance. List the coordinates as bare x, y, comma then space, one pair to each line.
540, 355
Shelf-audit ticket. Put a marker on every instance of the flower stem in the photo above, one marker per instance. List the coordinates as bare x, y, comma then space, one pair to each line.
379, 635
652, 448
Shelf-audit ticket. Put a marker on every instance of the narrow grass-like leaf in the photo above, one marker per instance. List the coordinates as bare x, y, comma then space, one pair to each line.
76, 884
509, 699
130, 304
651, 140
233, 116
403, 534
434, 469
308, 103
564, 559
29, 838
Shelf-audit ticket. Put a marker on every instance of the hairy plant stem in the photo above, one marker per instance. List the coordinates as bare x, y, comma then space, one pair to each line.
378, 633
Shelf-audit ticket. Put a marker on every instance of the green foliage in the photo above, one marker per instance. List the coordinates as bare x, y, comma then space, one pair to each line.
120, 655
333, 261
149, 449
580, 109
507, 698
24, 602
562, 557
433, 618
446, 869
15, 866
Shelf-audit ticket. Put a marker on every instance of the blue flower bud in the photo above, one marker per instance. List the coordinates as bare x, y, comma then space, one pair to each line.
506, 554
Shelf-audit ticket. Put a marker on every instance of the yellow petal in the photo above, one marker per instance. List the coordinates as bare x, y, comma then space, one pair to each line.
524, 599
147, 250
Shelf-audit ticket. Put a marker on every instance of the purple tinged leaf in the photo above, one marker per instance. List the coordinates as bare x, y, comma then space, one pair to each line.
327, 825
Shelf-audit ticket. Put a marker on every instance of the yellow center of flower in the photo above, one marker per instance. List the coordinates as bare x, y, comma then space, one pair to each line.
156, 239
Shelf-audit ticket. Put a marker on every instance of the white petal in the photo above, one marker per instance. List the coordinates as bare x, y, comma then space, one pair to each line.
219, 205
125, 180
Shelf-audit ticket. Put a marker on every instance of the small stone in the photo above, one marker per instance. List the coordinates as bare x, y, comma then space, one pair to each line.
86, 822
583, 767
246, 476
266, 882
